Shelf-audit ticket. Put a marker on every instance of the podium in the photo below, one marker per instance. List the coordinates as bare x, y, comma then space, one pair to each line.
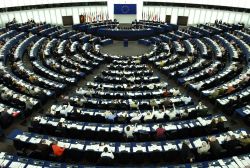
125, 42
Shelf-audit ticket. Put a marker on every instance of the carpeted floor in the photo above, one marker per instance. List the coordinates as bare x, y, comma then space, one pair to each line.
133, 48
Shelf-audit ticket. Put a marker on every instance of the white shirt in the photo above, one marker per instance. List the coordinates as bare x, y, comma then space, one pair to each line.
107, 154
159, 115
150, 86
136, 118
204, 148
148, 117
130, 132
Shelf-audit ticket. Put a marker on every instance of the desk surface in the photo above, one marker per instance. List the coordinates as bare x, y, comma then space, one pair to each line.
120, 34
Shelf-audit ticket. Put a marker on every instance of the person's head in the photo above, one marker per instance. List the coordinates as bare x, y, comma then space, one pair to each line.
204, 143
54, 143
128, 128
160, 125
105, 149
212, 138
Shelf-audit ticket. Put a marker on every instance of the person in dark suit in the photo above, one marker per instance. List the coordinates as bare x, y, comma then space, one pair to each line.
215, 147
186, 153
231, 143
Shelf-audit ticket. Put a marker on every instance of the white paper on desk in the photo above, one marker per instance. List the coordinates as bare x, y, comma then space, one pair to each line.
244, 133
103, 128
232, 165
90, 128
35, 140
17, 164
179, 126
170, 146
63, 144
53, 123
146, 129
191, 124
18, 137
203, 122
246, 160
124, 148
154, 147
33, 166
116, 129
23, 138
4, 162
139, 148
221, 162
77, 146
155, 127
2, 154
79, 127
93, 147
238, 161
170, 127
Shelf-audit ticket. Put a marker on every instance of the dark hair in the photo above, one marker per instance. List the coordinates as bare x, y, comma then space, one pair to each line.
160, 125
128, 128
105, 149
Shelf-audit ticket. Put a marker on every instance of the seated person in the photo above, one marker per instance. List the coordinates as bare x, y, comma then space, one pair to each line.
186, 153
160, 114
215, 147
165, 93
230, 89
153, 103
107, 157
109, 116
213, 125
160, 133
204, 148
122, 117
57, 150
167, 102
129, 131
175, 92
149, 116
230, 143
133, 104
220, 123
136, 117
245, 140
199, 105
173, 113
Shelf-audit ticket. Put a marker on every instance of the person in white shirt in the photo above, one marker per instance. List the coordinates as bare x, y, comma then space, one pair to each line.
198, 86
159, 115
148, 116
106, 154
186, 99
136, 118
129, 130
204, 148
150, 86
172, 114
176, 92
199, 105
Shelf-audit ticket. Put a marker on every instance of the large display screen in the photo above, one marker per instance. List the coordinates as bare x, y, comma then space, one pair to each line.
124, 9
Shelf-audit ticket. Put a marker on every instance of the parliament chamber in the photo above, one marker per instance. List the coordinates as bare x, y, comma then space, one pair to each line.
98, 92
